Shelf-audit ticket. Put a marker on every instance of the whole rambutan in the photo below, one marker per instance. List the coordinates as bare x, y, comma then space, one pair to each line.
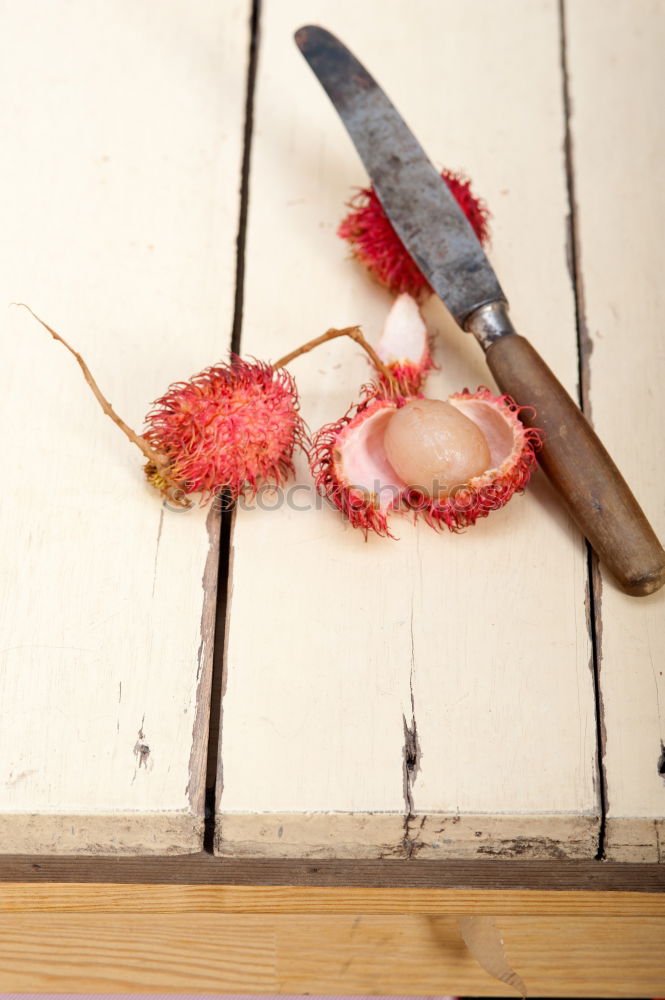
231, 427
375, 243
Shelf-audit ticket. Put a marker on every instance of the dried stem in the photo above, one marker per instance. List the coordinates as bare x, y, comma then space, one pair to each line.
151, 455
354, 333
158, 461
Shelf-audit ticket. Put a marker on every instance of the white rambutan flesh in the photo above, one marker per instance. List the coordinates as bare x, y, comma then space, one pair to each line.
404, 336
404, 345
434, 447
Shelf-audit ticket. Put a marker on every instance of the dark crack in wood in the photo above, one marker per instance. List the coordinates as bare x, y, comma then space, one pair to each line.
584, 349
411, 753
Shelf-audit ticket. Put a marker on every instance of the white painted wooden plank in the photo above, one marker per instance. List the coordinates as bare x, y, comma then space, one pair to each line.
478, 641
617, 80
122, 141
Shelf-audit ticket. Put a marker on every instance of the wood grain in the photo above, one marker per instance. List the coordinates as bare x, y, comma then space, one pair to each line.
180, 899
203, 869
125, 953
620, 225
122, 131
399, 954
343, 654
554, 956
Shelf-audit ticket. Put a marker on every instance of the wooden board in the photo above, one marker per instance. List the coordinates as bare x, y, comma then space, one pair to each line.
616, 79
430, 697
205, 869
118, 939
49, 897
122, 131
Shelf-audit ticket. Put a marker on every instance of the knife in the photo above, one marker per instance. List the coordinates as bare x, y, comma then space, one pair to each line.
440, 240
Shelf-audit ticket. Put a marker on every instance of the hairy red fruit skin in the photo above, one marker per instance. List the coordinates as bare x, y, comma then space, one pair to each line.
376, 244
409, 376
232, 426
457, 511
359, 509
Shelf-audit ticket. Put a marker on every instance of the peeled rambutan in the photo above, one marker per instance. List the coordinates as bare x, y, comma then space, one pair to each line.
367, 480
473, 487
376, 244
449, 461
231, 427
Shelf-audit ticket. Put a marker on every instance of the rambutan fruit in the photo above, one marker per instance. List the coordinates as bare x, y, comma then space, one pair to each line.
450, 462
464, 464
375, 243
232, 427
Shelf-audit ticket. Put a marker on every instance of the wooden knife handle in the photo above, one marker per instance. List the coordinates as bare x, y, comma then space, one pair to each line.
580, 468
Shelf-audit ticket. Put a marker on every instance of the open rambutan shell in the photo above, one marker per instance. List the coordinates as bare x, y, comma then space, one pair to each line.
351, 468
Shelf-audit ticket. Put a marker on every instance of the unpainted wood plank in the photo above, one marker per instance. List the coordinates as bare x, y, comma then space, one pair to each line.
345, 655
395, 954
554, 956
90, 898
616, 72
122, 131
125, 953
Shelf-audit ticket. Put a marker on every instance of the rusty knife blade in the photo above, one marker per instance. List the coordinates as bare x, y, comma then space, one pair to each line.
417, 201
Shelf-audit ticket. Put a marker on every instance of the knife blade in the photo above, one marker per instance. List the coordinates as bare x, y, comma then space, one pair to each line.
440, 240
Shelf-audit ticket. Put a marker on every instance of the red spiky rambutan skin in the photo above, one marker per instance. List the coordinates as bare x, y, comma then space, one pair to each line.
231, 427
376, 244
359, 506
368, 508
409, 377
493, 489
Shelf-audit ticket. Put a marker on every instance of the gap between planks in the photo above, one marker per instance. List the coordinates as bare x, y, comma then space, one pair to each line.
584, 347
226, 527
